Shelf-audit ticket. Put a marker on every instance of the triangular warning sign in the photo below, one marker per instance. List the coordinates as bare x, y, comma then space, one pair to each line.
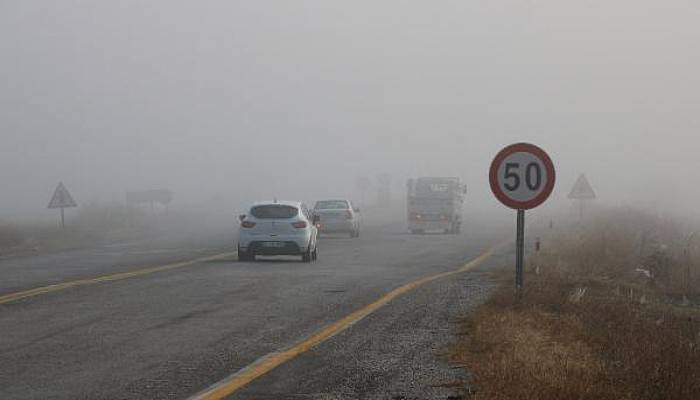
582, 190
61, 198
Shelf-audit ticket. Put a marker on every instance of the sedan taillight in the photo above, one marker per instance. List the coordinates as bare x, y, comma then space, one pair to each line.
247, 224
299, 224
348, 214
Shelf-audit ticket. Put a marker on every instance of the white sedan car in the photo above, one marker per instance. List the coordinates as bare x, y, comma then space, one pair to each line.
338, 216
276, 228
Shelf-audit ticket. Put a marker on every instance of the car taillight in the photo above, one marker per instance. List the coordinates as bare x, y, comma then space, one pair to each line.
299, 224
348, 214
247, 224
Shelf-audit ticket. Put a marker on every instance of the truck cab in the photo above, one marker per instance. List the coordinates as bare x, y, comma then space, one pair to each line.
435, 204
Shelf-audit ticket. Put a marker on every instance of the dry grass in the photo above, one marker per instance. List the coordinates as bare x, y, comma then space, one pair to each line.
587, 326
9, 235
93, 223
614, 243
529, 355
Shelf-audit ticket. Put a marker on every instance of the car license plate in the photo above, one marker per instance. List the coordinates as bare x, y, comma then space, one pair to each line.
273, 244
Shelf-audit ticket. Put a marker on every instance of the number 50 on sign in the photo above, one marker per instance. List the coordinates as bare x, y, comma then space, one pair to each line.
522, 176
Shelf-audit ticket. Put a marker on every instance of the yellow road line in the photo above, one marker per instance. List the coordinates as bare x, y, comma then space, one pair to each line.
271, 361
106, 278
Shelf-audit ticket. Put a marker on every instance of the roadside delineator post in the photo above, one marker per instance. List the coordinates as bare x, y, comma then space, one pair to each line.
522, 177
538, 246
688, 261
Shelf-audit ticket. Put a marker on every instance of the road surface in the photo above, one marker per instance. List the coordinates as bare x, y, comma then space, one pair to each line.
132, 321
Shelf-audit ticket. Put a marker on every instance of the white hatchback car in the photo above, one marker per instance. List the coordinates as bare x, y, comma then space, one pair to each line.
276, 228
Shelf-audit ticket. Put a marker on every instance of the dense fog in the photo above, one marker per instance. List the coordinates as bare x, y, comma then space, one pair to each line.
224, 102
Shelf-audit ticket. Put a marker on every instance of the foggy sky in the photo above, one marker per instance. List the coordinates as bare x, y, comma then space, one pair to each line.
238, 100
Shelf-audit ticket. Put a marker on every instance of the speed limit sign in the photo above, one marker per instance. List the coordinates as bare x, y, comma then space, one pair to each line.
522, 177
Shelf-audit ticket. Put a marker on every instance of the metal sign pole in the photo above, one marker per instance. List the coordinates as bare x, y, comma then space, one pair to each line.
522, 177
520, 251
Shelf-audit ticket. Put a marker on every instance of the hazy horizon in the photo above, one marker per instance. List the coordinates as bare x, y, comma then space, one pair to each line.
235, 101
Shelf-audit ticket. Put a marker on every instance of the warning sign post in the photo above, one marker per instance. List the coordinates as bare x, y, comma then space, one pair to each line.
582, 189
62, 199
582, 192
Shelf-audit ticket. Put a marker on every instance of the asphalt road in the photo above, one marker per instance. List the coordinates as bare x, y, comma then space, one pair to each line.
170, 334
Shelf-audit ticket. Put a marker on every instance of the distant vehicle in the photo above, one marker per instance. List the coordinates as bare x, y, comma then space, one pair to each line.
435, 204
276, 228
338, 216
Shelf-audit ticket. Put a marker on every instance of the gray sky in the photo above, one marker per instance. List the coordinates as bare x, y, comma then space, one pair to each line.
238, 100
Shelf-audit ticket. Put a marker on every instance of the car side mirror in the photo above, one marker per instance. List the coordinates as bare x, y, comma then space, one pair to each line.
316, 219
241, 217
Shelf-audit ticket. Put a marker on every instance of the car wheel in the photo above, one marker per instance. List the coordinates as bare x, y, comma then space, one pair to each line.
306, 257
243, 255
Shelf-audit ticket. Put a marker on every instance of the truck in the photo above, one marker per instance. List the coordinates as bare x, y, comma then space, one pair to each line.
435, 204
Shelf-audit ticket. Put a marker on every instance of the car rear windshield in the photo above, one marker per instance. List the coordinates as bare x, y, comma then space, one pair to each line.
274, 211
332, 205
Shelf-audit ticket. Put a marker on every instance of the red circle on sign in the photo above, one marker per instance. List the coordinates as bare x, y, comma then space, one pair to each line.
536, 152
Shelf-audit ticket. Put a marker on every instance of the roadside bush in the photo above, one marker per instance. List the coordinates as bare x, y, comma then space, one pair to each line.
602, 346
597, 321
625, 244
